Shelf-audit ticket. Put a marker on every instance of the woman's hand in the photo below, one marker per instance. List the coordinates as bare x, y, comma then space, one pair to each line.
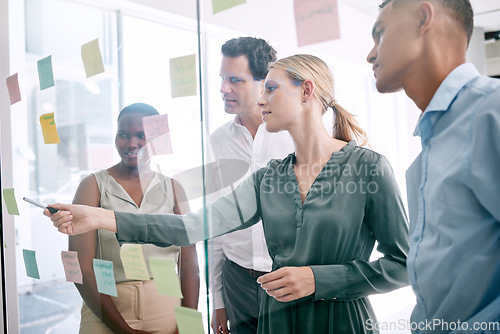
289, 283
77, 219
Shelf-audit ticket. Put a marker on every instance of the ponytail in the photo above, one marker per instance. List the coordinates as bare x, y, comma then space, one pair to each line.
345, 126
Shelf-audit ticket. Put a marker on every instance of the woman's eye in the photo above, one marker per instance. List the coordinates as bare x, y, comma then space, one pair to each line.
271, 88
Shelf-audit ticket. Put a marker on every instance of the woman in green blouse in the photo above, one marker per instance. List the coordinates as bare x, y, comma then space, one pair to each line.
322, 208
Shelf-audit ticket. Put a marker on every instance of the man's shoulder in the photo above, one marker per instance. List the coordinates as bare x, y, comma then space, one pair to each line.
221, 131
486, 85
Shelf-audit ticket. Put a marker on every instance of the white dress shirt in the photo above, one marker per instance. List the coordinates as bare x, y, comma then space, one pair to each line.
247, 247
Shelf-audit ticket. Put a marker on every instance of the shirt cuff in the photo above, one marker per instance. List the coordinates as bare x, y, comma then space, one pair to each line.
330, 280
218, 300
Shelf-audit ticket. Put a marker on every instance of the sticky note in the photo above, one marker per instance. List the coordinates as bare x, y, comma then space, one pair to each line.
166, 280
10, 201
92, 59
316, 21
189, 321
183, 76
49, 129
133, 262
104, 277
72, 267
45, 74
220, 5
13, 88
157, 134
30, 263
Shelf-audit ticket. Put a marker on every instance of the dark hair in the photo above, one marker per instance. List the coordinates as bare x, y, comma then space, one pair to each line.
138, 108
258, 52
460, 10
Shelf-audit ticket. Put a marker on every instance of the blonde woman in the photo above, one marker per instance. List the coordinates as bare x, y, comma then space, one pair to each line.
323, 207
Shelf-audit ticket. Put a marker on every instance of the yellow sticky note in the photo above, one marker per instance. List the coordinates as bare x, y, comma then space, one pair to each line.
92, 59
189, 321
166, 280
49, 129
133, 262
10, 201
183, 76
220, 5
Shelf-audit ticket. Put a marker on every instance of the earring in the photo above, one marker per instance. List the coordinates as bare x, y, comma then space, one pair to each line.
304, 100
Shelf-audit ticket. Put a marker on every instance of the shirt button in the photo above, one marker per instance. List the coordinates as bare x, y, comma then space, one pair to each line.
416, 239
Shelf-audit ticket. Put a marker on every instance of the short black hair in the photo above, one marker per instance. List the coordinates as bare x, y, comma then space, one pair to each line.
138, 108
258, 52
461, 11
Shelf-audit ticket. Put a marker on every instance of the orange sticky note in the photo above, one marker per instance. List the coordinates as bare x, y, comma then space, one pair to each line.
49, 129
13, 88
316, 21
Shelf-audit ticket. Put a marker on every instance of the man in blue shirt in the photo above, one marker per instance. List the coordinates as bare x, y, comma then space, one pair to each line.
454, 184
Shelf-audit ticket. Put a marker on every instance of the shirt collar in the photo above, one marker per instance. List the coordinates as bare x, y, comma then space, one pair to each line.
447, 92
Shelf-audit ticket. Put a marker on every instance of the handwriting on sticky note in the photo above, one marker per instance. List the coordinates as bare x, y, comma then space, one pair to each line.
183, 76
165, 278
316, 21
133, 262
189, 321
10, 201
30, 263
72, 267
13, 88
104, 277
49, 129
221, 5
45, 74
157, 134
92, 59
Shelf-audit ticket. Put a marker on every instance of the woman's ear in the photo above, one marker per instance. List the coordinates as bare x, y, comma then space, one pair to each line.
307, 90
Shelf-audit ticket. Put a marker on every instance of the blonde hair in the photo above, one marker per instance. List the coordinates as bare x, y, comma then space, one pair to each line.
303, 67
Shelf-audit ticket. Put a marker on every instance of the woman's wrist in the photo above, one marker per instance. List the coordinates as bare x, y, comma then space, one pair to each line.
106, 220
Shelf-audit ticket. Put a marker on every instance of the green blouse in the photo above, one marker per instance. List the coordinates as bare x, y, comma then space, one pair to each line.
353, 202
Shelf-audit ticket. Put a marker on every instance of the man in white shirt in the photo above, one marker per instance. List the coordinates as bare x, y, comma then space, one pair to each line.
239, 258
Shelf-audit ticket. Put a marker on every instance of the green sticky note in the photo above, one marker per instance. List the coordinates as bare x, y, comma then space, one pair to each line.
220, 5
45, 75
183, 76
166, 280
133, 262
10, 201
92, 59
189, 321
104, 277
30, 263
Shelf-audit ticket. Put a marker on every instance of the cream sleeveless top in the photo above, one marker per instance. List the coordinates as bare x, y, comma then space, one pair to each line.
158, 198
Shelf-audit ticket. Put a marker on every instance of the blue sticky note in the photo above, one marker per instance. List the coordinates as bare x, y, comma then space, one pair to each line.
104, 277
45, 74
30, 263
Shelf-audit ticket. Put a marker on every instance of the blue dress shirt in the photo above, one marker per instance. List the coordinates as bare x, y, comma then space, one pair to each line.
454, 207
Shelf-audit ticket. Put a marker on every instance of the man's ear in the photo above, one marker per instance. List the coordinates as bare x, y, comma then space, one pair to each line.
307, 90
426, 13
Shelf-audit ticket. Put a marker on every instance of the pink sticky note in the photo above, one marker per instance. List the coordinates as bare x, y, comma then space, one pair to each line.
13, 88
316, 21
72, 267
157, 134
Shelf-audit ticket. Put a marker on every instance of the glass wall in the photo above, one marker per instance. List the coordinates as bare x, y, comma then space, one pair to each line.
166, 54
